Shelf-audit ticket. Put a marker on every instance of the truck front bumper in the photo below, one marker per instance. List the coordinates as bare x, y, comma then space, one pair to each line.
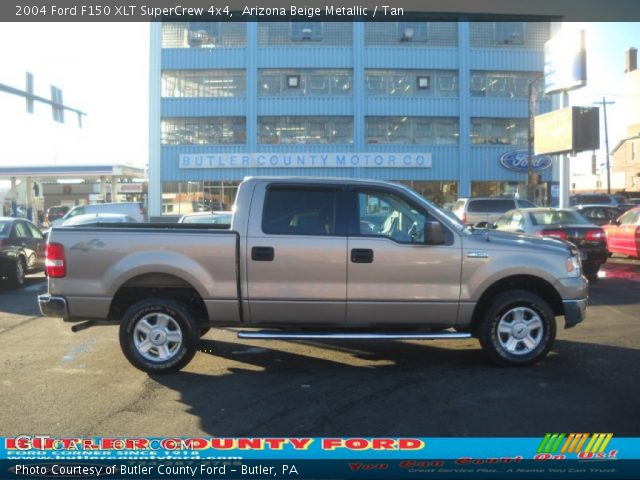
53, 306
574, 312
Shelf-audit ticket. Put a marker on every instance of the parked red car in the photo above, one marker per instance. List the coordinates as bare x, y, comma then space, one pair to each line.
623, 234
54, 213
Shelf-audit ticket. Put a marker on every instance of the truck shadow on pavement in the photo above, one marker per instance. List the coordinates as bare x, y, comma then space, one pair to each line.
618, 285
410, 389
22, 300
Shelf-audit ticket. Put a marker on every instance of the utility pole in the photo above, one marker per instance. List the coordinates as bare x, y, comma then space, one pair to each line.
604, 104
533, 98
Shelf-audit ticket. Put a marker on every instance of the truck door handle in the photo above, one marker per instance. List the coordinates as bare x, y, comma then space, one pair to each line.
362, 255
262, 254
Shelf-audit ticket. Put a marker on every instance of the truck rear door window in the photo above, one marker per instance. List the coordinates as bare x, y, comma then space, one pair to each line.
302, 211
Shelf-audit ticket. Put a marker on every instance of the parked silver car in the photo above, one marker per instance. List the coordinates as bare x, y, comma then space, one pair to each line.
214, 218
97, 218
133, 209
486, 209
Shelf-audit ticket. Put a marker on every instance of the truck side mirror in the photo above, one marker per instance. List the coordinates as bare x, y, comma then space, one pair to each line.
433, 234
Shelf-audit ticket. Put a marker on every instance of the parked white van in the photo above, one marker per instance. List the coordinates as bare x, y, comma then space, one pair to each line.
133, 209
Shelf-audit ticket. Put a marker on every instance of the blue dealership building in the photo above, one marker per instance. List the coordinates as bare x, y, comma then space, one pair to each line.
435, 105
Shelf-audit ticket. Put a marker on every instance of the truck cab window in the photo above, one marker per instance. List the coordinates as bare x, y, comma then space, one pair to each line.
301, 211
387, 215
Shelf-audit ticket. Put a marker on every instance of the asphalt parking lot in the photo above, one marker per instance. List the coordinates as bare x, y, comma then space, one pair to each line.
62, 383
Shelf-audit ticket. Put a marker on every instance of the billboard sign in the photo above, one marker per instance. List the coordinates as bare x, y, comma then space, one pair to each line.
568, 130
565, 62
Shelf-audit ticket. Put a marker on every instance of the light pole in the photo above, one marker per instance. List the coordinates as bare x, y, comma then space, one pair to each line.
604, 104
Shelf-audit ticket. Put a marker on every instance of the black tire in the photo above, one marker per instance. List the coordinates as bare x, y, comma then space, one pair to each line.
158, 335
520, 319
204, 330
18, 273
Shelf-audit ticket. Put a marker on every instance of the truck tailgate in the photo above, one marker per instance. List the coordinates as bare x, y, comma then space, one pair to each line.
99, 260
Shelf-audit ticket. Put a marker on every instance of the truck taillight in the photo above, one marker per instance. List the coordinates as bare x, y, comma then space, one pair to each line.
464, 218
54, 260
594, 235
553, 233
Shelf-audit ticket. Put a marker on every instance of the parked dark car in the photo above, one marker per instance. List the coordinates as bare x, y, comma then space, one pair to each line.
597, 199
564, 224
599, 214
22, 247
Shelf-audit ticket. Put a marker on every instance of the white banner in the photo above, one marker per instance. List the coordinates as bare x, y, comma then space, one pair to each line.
305, 160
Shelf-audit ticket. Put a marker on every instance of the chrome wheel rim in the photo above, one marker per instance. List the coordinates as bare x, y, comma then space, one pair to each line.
520, 331
157, 337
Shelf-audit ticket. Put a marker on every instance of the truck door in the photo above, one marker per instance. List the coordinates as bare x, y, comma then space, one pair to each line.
394, 277
296, 254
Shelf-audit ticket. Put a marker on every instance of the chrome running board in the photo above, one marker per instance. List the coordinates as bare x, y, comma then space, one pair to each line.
286, 335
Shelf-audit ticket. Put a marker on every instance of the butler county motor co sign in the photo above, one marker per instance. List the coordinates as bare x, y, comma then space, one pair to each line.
304, 160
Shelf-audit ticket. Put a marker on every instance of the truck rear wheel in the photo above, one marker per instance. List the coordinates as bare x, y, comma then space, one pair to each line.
518, 329
158, 335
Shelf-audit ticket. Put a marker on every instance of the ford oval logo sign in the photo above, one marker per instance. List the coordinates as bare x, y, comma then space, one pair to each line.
518, 160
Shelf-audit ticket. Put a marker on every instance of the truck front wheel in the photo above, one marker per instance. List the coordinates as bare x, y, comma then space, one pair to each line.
158, 335
518, 329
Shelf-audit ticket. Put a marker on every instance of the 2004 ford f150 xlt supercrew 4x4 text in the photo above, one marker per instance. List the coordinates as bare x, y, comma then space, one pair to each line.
309, 258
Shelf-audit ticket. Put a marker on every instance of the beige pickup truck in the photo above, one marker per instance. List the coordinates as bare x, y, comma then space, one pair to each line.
308, 258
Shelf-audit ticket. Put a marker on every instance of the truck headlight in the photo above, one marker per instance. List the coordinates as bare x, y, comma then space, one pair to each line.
573, 266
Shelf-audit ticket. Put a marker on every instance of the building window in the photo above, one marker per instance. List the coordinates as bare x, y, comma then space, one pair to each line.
293, 81
509, 33
504, 84
499, 131
305, 34
440, 192
411, 130
439, 83
423, 82
305, 130
203, 83
447, 83
203, 131
412, 31
310, 82
531, 35
495, 188
203, 34
179, 198
306, 31
411, 34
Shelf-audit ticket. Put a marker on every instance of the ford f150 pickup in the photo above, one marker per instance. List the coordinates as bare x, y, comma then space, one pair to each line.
308, 258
